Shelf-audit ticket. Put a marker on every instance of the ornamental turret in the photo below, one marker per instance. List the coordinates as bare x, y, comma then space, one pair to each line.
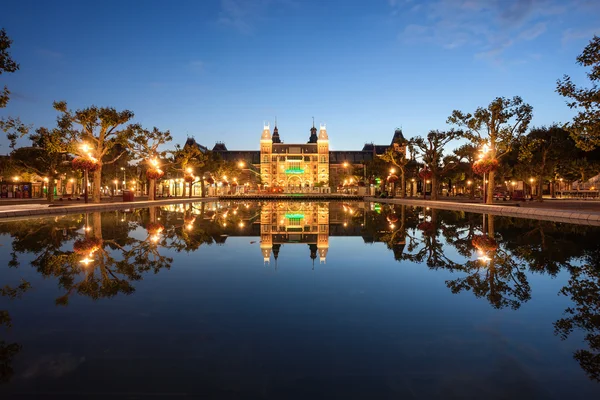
276, 138
266, 148
323, 154
313, 134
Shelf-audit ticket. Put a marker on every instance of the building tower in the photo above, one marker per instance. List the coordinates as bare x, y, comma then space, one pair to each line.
266, 148
323, 153
276, 138
323, 235
313, 134
266, 238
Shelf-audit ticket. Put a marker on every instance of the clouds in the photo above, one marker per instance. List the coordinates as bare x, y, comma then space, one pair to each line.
245, 15
487, 27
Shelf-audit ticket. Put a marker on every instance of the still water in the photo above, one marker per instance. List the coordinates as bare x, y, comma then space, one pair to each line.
298, 300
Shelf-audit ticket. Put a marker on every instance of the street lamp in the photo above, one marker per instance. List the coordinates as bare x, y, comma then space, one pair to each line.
484, 150
124, 177
531, 184
86, 150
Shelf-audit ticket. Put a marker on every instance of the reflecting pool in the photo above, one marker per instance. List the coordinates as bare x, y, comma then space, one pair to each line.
298, 300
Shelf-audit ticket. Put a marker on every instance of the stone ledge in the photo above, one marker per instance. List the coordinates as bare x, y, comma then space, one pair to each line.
46, 210
519, 212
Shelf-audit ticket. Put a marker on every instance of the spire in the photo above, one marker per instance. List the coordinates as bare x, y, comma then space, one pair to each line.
313, 133
276, 138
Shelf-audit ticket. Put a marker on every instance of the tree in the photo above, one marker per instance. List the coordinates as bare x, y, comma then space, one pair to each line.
432, 153
499, 125
46, 157
7, 64
145, 146
585, 128
467, 152
101, 128
579, 169
186, 159
396, 155
542, 150
12, 126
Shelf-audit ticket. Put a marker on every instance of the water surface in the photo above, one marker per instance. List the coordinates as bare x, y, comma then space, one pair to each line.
298, 300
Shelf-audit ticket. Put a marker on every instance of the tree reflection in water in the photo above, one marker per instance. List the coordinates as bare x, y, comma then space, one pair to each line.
497, 255
102, 255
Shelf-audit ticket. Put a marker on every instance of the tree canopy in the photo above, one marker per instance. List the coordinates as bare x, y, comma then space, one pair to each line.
585, 127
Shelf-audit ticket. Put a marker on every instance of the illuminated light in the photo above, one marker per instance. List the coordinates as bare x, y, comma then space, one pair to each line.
392, 226
45, 179
189, 227
85, 148
16, 179
427, 208
188, 170
241, 224
530, 179
484, 259
122, 219
392, 170
154, 238
225, 177
86, 261
115, 181
241, 164
154, 162
294, 216
345, 164
71, 180
469, 183
87, 229
345, 224
234, 212
513, 183
427, 181
224, 224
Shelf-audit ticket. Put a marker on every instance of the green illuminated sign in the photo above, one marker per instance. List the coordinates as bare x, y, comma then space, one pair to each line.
294, 171
294, 216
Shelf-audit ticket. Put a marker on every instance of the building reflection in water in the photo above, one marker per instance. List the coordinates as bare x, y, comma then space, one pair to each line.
301, 223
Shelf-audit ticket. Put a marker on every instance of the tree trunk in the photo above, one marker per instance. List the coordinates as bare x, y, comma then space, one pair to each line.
424, 188
553, 189
490, 188
97, 185
97, 225
202, 194
50, 190
152, 214
434, 192
490, 226
152, 189
403, 184
539, 189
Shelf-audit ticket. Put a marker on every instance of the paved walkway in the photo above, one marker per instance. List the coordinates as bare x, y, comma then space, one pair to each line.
28, 209
567, 211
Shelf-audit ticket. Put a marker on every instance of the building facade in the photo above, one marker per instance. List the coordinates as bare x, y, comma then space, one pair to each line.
302, 167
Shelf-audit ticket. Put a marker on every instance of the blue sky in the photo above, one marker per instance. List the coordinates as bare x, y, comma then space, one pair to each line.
217, 69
